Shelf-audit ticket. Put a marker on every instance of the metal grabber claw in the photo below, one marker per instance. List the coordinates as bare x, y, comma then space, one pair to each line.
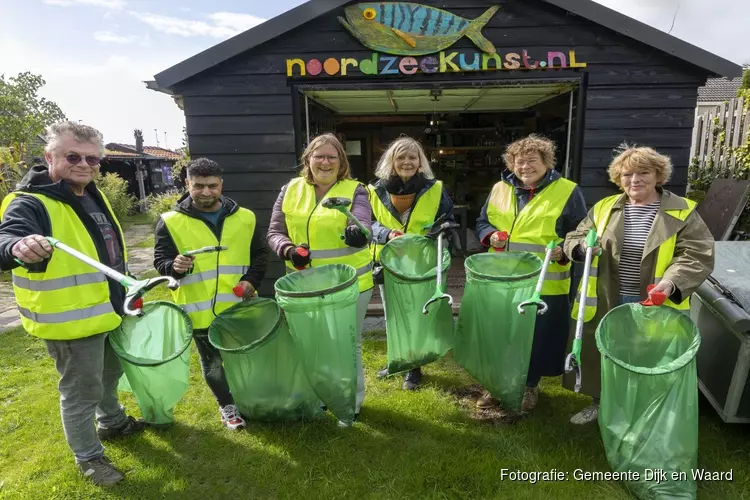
135, 289
440, 232
536, 299
573, 361
342, 205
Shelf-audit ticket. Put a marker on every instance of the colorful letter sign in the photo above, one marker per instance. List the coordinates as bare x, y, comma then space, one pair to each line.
394, 29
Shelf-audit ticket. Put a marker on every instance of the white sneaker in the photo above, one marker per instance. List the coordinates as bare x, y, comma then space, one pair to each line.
588, 414
231, 418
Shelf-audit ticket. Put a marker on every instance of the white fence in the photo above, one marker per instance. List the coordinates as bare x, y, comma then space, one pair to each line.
717, 133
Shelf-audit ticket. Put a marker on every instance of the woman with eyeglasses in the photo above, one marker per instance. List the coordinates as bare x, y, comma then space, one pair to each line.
305, 233
531, 206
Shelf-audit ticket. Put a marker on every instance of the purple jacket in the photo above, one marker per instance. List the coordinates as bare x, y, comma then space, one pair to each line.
278, 235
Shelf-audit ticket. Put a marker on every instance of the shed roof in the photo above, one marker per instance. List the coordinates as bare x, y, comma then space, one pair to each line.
587, 9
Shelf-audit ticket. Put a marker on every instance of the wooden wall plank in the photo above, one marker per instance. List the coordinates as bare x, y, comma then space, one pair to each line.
240, 124
638, 118
642, 97
656, 138
238, 105
214, 84
255, 162
205, 145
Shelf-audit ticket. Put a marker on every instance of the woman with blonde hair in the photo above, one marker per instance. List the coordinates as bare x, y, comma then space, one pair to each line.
531, 206
304, 233
405, 199
646, 235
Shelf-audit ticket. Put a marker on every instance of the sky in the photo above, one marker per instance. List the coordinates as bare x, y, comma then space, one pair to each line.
95, 54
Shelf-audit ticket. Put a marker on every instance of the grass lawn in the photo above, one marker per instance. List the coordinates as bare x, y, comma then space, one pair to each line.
406, 445
131, 220
147, 243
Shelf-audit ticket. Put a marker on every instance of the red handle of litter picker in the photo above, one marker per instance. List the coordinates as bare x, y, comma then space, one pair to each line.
303, 251
238, 290
502, 236
137, 304
654, 299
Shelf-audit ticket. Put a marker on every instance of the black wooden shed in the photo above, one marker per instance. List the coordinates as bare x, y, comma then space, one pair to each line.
585, 75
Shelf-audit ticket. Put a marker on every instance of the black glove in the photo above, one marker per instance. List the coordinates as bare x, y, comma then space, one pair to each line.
299, 256
354, 237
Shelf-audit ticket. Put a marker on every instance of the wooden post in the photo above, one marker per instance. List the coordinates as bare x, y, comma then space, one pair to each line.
718, 157
738, 112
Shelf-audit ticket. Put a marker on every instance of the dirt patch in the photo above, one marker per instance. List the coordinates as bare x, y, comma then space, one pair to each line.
466, 398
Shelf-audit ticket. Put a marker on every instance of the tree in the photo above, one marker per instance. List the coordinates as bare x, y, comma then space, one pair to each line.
178, 168
24, 114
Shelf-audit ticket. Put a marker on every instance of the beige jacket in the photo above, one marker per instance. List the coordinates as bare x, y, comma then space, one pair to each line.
692, 263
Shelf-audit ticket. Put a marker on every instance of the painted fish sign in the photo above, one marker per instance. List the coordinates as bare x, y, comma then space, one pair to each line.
412, 29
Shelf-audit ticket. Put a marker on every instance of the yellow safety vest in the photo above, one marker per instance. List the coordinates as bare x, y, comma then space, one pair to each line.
602, 213
533, 227
70, 299
207, 290
322, 228
422, 213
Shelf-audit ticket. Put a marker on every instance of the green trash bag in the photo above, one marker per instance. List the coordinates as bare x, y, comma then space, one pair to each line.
415, 339
493, 341
261, 364
154, 354
648, 414
320, 305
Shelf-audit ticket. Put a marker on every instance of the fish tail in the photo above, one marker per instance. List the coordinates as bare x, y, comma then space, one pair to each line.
474, 31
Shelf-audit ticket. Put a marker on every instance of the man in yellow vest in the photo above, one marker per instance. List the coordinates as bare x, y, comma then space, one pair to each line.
203, 217
64, 301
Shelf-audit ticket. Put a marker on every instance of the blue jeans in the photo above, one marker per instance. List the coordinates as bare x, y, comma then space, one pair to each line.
629, 299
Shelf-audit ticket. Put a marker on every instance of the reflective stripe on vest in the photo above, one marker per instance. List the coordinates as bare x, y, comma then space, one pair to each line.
602, 213
307, 221
69, 300
533, 227
423, 212
207, 290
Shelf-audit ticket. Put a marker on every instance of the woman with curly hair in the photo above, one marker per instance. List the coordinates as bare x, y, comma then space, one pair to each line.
531, 206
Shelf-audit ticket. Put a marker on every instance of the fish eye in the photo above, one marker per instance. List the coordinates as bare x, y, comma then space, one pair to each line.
369, 14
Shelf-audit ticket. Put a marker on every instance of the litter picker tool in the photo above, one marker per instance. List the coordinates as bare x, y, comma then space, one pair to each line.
135, 289
573, 361
342, 205
536, 299
440, 232
208, 249
654, 299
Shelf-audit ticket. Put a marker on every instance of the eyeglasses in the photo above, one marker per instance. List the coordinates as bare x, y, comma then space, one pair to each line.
320, 158
75, 159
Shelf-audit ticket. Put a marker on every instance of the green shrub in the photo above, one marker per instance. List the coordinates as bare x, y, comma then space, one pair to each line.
10, 173
115, 188
162, 203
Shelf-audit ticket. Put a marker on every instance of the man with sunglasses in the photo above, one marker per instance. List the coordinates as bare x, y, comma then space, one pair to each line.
64, 301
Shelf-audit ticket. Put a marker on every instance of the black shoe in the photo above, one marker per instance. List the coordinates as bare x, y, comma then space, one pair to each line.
383, 373
412, 379
101, 472
131, 426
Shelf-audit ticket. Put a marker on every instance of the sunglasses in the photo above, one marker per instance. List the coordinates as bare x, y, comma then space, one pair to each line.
75, 159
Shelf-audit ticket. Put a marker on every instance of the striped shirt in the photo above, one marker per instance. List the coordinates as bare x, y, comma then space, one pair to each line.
638, 222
